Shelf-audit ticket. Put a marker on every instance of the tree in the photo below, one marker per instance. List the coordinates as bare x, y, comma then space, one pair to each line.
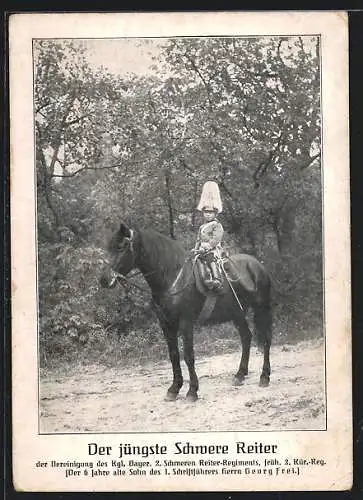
252, 108
73, 108
244, 112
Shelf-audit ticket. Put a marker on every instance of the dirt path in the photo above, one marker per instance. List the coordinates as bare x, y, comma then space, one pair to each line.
97, 399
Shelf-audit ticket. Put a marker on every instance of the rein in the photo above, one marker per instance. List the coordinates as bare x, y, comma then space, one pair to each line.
125, 280
178, 276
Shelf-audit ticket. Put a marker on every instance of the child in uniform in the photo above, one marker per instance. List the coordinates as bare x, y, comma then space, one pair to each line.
210, 234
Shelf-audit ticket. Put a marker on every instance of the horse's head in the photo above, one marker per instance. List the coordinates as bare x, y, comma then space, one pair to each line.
121, 256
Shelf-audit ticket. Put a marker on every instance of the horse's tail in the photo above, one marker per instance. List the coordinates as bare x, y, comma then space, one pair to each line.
262, 310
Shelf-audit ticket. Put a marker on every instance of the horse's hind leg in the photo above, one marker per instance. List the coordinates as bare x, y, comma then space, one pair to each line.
266, 369
263, 323
245, 335
186, 330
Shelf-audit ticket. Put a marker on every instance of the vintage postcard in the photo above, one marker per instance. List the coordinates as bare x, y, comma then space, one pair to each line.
180, 252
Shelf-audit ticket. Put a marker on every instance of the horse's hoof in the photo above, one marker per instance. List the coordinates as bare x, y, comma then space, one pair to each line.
237, 381
191, 397
264, 381
170, 396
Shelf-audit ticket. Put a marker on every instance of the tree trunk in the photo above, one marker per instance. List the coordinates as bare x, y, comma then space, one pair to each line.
47, 189
195, 202
170, 203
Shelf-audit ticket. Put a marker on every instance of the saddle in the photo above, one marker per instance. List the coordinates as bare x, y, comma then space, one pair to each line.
229, 273
210, 295
199, 274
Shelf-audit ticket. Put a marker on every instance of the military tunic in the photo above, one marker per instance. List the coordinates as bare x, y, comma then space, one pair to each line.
209, 236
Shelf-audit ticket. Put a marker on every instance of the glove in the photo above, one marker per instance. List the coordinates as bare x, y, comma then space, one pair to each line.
205, 247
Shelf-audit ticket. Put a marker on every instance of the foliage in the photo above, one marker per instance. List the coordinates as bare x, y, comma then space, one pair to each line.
242, 111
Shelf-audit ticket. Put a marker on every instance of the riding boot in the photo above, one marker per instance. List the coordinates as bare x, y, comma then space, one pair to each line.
216, 278
206, 276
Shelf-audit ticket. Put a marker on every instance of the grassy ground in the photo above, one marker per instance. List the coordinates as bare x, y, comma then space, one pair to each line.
142, 346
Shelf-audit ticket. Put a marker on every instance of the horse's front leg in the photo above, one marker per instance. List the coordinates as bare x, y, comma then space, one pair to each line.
186, 329
172, 341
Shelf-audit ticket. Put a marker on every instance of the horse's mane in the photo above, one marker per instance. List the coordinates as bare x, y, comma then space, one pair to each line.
162, 253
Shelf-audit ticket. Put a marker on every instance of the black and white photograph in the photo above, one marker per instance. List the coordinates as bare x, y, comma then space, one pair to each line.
179, 215
184, 272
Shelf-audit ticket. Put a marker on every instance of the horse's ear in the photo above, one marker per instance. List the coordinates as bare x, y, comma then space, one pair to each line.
125, 231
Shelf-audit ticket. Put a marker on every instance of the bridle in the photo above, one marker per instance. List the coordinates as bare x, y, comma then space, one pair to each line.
121, 278
130, 240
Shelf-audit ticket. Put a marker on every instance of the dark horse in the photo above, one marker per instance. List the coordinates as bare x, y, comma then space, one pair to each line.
167, 268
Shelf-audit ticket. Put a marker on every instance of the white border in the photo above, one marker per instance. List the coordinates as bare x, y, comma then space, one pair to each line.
335, 443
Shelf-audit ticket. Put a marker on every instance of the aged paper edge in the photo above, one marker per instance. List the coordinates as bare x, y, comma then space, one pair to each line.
28, 446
